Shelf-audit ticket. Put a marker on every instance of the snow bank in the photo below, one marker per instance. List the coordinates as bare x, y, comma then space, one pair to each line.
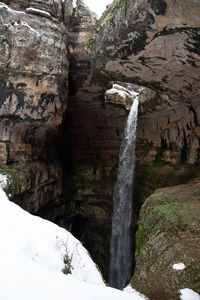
187, 294
31, 259
129, 289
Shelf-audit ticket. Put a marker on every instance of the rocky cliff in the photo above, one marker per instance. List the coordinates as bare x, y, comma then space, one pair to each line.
33, 99
151, 43
61, 131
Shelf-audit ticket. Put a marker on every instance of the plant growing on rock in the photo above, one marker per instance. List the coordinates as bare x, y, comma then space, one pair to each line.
3, 38
118, 4
90, 43
110, 19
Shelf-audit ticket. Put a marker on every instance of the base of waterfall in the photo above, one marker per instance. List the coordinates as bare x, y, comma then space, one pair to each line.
32, 259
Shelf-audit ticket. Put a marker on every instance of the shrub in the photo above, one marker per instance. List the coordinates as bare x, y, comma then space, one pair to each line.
68, 264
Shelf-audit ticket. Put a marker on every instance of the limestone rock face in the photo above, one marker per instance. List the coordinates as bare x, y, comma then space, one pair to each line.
62, 10
44, 53
82, 28
170, 131
33, 100
96, 131
168, 234
151, 43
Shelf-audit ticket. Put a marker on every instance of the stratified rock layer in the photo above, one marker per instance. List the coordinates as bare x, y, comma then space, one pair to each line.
146, 42
59, 9
151, 43
33, 100
170, 131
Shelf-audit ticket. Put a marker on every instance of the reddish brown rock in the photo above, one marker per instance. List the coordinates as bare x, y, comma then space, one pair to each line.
174, 129
151, 43
33, 101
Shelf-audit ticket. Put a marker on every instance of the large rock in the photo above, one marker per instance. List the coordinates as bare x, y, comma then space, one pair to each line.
169, 133
60, 9
33, 67
151, 43
33, 100
168, 234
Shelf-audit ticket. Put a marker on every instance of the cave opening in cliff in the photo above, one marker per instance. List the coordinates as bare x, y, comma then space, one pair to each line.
96, 126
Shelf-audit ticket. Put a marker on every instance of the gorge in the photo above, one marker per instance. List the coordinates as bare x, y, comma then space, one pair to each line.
61, 128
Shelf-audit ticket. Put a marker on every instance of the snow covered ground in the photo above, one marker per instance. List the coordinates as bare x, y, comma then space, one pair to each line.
188, 294
32, 258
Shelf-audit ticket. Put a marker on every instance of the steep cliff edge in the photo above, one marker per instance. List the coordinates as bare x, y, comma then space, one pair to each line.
151, 43
33, 100
128, 46
55, 66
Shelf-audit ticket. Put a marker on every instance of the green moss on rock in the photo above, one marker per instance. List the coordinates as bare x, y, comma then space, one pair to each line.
168, 233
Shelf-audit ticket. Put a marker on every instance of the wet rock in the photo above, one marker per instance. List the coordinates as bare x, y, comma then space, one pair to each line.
122, 94
172, 127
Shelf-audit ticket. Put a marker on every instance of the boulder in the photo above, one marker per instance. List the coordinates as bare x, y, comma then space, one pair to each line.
168, 242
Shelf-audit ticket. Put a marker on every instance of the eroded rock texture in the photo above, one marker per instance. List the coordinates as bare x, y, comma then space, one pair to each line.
151, 43
143, 42
174, 129
44, 53
61, 10
95, 131
33, 99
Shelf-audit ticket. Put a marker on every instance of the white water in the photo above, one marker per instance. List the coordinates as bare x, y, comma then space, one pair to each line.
120, 250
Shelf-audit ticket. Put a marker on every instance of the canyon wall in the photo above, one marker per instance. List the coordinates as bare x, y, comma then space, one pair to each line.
33, 99
154, 45
60, 137
151, 43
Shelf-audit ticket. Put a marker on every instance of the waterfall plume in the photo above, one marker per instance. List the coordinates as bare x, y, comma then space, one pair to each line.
120, 249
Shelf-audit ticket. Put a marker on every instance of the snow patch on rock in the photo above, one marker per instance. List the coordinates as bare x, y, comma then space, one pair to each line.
179, 266
188, 294
38, 12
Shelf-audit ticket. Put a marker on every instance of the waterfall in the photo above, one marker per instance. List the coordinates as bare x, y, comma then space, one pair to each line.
120, 249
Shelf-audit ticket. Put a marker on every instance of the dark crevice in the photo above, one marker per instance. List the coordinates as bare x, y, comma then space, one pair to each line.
195, 115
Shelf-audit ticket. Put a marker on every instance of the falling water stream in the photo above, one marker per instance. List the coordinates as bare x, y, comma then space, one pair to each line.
120, 249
